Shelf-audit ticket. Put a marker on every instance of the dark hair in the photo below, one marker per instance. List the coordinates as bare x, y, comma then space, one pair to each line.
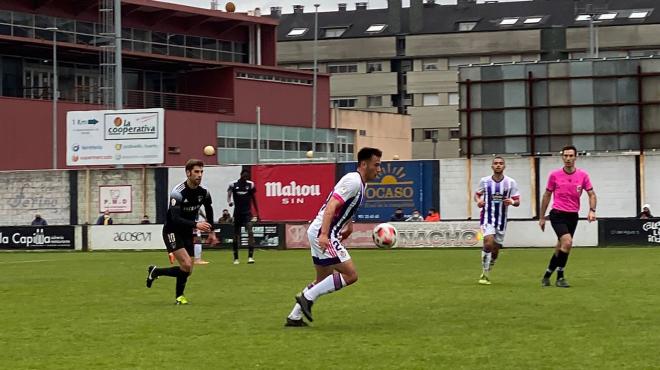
245, 172
192, 163
498, 157
569, 147
366, 153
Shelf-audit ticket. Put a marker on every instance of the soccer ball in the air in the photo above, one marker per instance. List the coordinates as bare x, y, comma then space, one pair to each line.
384, 235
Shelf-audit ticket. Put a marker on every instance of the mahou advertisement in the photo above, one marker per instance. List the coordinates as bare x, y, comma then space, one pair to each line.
292, 192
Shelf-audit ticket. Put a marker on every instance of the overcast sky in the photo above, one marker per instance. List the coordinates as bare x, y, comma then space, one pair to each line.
287, 5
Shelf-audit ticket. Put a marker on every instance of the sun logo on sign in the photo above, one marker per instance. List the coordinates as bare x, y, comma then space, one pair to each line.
117, 121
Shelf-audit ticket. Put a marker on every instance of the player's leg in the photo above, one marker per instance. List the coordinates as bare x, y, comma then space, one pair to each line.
565, 245
186, 266
198, 250
561, 228
238, 222
248, 228
295, 317
488, 232
177, 245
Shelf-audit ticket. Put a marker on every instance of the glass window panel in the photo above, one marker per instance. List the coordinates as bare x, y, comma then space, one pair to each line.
515, 94
558, 93
140, 35
231, 142
629, 142
226, 46
582, 91
44, 21
275, 145
628, 119
515, 122
516, 145
175, 39
493, 145
141, 46
221, 142
159, 37
177, 51
23, 31
193, 53
275, 132
541, 124
208, 43
159, 49
127, 44
291, 133
246, 131
43, 34
605, 90
209, 55
5, 29
85, 27
493, 124
558, 142
606, 119
542, 145
291, 145
582, 119
431, 99
606, 142
587, 143
453, 98
560, 121
305, 146
244, 143
492, 95
245, 156
193, 41
626, 90
23, 19
5, 16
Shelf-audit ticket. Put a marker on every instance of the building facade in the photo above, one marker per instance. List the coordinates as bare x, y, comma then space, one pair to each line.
207, 68
406, 60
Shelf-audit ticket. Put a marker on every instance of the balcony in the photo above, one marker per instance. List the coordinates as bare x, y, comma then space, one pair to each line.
138, 99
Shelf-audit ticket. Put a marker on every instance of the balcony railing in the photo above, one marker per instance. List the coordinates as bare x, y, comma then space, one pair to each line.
138, 99
185, 102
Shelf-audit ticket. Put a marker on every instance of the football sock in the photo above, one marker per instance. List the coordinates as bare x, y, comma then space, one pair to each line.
486, 258
181, 280
551, 266
250, 251
328, 285
166, 271
562, 259
235, 245
198, 251
296, 313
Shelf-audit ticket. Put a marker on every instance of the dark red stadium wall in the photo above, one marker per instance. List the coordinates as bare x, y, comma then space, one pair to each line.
190, 132
26, 133
214, 82
281, 103
268, 46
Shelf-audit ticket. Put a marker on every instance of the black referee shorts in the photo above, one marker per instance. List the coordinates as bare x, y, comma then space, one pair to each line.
563, 222
177, 240
242, 220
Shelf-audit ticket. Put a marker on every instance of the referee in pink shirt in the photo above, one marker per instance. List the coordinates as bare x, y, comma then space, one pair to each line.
567, 184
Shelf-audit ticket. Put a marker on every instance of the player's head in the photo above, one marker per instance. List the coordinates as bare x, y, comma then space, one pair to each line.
568, 155
498, 165
369, 162
245, 175
194, 172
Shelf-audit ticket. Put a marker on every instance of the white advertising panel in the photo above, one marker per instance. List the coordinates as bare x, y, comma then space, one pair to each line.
110, 237
116, 198
115, 137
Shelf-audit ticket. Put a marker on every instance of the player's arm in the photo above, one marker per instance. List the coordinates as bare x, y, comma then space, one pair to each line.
333, 204
209, 216
229, 193
545, 202
347, 231
254, 202
478, 195
515, 195
592, 205
175, 206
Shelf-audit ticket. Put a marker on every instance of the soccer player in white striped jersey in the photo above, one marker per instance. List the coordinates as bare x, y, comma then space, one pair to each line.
334, 267
494, 195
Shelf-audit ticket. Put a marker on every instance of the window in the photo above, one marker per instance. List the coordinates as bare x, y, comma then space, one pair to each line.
430, 134
375, 101
606, 16
453, 98
376, 28
430, 64
638, 15
334, 32
508, 21
583, 17
363, 132
431, 99
533, 20
295, 32
466, 26
374, 67
454, 62
342, 68
454, 133
345, 102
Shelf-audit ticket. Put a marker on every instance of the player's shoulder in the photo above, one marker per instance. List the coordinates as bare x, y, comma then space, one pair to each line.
251, 183
486, 178
352, 178
510, 179
178, 189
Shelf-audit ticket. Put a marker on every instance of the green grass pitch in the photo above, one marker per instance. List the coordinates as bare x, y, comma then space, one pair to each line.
419, 309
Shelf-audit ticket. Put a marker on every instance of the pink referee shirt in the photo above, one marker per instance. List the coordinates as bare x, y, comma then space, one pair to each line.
567, 188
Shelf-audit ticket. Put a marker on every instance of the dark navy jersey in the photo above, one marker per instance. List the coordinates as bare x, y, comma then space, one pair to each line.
242, 193
184, 207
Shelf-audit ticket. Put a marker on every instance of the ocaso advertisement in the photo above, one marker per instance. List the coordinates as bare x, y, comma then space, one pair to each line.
292, 192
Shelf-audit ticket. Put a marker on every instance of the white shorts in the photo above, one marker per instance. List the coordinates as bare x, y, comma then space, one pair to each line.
488, 229
334, 254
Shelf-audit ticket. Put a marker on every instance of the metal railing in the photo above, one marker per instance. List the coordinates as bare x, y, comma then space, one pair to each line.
138, 99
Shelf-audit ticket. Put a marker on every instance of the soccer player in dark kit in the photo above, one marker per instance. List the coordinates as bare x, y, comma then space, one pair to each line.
186, 199
242, 191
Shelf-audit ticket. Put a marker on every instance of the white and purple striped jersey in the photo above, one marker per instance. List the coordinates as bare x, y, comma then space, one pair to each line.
349, 191
494, 193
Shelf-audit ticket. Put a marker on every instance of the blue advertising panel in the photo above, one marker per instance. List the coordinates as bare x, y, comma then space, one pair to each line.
408, 185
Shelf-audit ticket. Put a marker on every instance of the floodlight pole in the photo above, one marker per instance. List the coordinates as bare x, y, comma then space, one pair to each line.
119, 88
314, 87
55, 94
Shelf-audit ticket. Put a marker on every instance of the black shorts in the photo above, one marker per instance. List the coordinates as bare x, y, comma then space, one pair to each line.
242, 220
177, 240
563, 222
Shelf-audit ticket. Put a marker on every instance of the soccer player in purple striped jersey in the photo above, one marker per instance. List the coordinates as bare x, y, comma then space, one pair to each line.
333, 223
494, 195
